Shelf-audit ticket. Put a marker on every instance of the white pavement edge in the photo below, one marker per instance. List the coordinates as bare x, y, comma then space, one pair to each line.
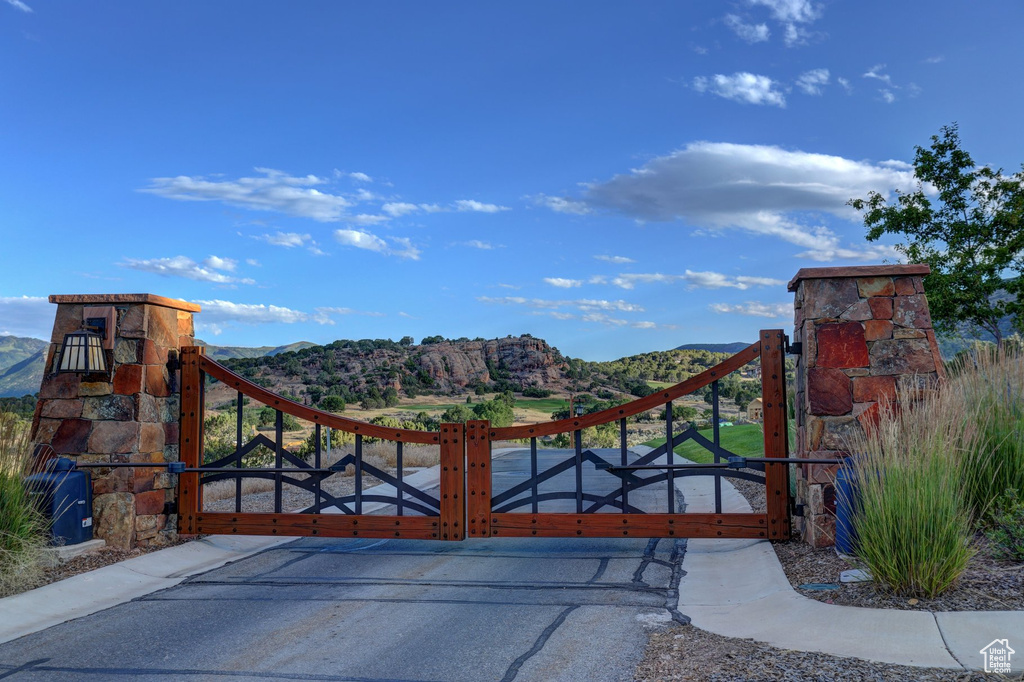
86, 593
737, 588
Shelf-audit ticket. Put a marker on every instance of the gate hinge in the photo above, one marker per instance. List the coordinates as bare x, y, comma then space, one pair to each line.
170, 508
794, 348
796, 509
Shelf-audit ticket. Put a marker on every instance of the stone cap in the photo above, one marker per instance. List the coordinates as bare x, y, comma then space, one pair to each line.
859, 271
115, 299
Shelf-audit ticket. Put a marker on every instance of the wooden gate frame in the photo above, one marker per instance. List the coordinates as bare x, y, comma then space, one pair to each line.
448, 525
774, 524
465, 508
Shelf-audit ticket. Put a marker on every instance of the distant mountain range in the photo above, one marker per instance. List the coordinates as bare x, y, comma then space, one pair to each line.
220, 353
715, 347
21, 365
22, 361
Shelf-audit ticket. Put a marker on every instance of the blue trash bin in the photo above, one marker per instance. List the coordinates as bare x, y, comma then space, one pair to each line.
64, 496
847, 501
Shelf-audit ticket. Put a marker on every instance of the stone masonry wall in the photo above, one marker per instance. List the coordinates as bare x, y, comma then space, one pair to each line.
128, 414
862, 330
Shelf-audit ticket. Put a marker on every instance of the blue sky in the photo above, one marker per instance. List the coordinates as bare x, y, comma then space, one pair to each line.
613, 177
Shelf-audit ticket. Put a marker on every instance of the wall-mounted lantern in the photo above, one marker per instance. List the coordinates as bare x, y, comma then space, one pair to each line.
84, 350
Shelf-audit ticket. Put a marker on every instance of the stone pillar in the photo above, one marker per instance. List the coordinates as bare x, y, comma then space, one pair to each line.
128, 414
862, 329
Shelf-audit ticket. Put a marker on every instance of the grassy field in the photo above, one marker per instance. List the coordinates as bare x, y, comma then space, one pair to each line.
746, 440
660, 384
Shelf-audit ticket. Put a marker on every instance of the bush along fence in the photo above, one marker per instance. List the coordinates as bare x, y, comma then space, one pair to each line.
857, 331
862, 331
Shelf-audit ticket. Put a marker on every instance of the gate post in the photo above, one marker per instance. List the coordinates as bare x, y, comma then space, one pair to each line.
861, 330
126, 415
478, 477
453, 482
189, 490
776, 431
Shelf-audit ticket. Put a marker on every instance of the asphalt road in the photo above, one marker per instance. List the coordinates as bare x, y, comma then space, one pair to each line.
364, 609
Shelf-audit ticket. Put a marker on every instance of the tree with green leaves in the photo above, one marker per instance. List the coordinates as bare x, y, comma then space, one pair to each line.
967, 223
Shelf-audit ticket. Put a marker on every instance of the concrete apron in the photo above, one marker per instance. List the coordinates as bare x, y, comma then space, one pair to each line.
737, 588
88, 593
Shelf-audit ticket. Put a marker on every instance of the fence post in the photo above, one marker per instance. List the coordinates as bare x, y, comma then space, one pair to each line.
191, 439
776, 431
478, 477
453, 482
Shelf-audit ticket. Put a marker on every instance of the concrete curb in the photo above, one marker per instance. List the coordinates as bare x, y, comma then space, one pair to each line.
86, 593
737, 588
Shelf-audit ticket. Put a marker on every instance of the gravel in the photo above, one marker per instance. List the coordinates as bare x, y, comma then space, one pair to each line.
684, 652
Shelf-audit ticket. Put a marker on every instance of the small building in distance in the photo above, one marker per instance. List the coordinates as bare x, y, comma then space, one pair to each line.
755, 410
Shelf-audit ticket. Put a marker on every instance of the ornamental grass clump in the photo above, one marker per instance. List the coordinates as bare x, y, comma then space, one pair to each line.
990, 383
912, 517
23, 530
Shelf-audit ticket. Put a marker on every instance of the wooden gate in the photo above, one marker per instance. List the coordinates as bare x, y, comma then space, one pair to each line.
474, 496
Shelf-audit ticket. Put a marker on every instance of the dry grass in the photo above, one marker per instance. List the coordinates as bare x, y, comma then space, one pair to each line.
23, 531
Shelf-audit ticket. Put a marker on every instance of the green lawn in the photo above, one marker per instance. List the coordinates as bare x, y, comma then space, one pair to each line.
547, 405
746, 440
428, 407
660, 384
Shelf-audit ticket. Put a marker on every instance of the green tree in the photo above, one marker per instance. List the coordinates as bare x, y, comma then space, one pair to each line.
965, 222
456, 414
333, 403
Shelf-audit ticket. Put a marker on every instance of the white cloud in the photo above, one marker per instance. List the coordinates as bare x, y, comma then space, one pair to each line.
887, 95
30, 316
291, 240
563, 283
400, 246
182, 266
602, 318
562, 205
792, 13
934, 60
364, 219
360, 177
286, 239
846, 85
752, 33
327, 311
398, 209
703, 280
471, 205
219, 312
644, 325
218, 263
755, 309
795, 11
584, 304
717, 185
253, 262
477, 244
275, 191
811, 82
618, 260
876, 73
18, 4
743, 87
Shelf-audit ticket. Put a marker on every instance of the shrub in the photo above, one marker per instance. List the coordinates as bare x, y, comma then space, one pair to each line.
1007, 527
23, 530
912, 518
990, 383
